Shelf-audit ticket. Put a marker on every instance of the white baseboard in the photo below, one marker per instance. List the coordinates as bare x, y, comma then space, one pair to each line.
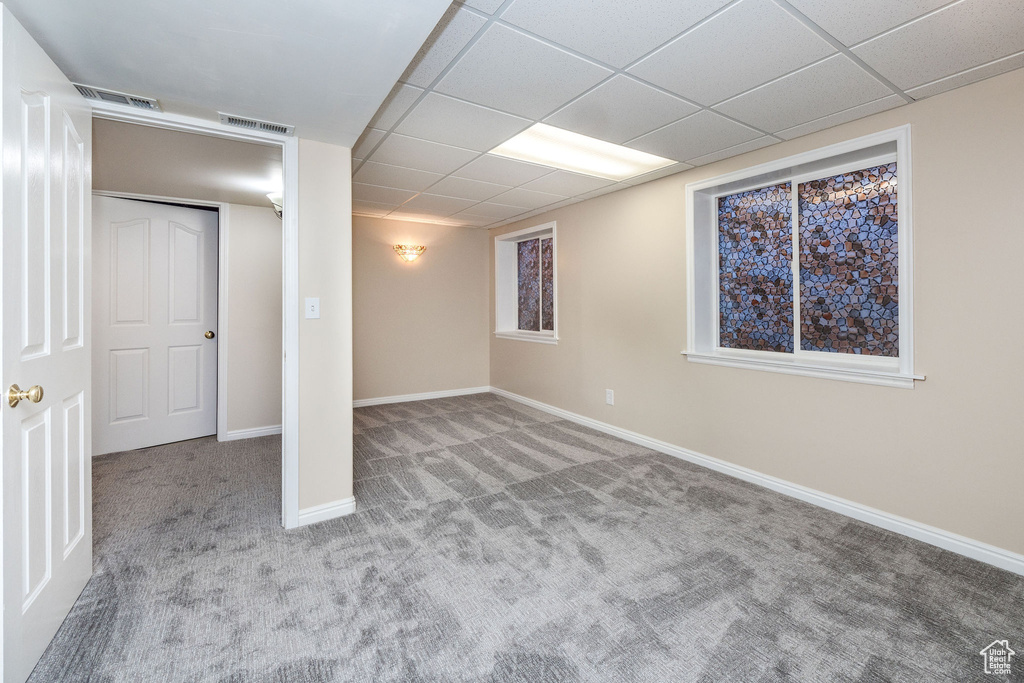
363, 402
983, 552
237, 434
321, 513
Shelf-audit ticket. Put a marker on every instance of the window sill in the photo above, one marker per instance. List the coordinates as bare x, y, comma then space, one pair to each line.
859, 375
522, 335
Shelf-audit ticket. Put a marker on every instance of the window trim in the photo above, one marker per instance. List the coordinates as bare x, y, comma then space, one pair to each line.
506, 290
702, 300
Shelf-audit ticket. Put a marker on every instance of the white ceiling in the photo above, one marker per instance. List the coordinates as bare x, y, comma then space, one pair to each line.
694, 81
190, 166
322, 66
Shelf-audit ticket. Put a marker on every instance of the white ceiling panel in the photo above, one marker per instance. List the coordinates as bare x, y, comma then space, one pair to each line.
432, 203
492, 210
380, 195
660, 173
396, 104
614, 31
603, 191
467, 189
694, 136
399, 177
748, 44
511, 71
890, 102
493, 169
367, 141
831, 86
567, 184
620, 109
962, 36
742, 148
1000, 66
478, 128
528, 199
401, 150
488, 6
456, 28
371, 208
853, 22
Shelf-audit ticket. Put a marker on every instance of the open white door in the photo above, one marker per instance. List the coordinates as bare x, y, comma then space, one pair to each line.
47, 485
154, 338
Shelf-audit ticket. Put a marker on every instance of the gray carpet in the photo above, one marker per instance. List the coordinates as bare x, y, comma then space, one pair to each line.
497, 543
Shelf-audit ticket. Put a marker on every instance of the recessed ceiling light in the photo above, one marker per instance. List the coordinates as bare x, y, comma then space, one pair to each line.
550, 146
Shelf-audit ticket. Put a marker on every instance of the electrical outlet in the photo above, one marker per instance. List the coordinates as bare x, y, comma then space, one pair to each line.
609, 397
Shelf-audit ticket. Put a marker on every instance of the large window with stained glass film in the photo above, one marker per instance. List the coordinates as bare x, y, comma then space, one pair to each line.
806, 267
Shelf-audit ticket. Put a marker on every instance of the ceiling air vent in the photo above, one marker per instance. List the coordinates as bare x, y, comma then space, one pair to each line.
91, 93
255, 124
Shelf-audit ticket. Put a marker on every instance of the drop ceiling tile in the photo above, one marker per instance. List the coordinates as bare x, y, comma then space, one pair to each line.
516, 73
494, 169
961, 36
1000, 66
620, 109
852, 22
399, 177
423, 155
488, 6
696, 135
467, 189
491, 210
367, 141
528, 199
828, 87
613, 31
735, 150
456, 28
454, 122
655, 175
436, 204
380, 195
395, 104
603, 191
749, 43
417, 217
567, 184
852, 114
371, 208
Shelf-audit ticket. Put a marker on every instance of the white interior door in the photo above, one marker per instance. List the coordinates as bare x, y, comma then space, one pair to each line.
47, 485
155, 323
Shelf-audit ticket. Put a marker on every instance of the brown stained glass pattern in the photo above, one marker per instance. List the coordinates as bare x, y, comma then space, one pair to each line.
755, 276
849, 263
547, 284
529, 285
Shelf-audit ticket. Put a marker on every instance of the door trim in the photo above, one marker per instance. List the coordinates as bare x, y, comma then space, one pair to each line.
290, 275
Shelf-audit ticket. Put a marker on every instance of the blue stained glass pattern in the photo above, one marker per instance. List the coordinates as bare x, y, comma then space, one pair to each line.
849, 282
529, 285
755, 276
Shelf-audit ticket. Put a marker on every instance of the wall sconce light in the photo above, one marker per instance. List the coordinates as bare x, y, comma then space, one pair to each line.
409, 252
277, 200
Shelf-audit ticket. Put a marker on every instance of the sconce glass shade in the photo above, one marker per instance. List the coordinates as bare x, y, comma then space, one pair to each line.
409, 252
278, 201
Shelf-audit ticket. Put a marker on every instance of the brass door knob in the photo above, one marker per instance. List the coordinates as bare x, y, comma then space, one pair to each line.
209, 334
16, 395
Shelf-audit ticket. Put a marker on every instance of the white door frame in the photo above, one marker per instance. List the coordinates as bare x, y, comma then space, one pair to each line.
290, 275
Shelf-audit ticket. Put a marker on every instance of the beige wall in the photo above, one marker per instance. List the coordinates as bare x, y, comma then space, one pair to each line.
419, 326
325, 345
254, 318
949, 453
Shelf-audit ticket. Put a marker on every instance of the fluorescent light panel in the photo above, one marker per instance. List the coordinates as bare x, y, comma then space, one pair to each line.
550, 146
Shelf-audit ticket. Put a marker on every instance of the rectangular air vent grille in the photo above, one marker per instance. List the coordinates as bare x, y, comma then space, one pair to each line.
256, 124
91, 93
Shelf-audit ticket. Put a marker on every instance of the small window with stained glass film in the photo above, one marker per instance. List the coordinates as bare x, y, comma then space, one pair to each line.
535, 278
525, 284
811, 265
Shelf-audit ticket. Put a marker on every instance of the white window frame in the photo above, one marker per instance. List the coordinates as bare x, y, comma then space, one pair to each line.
506, 284
703, 315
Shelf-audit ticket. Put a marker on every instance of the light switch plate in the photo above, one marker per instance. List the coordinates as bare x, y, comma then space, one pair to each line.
312, 307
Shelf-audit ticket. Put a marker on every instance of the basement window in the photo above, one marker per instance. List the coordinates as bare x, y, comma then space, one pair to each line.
803, 265
525, 285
